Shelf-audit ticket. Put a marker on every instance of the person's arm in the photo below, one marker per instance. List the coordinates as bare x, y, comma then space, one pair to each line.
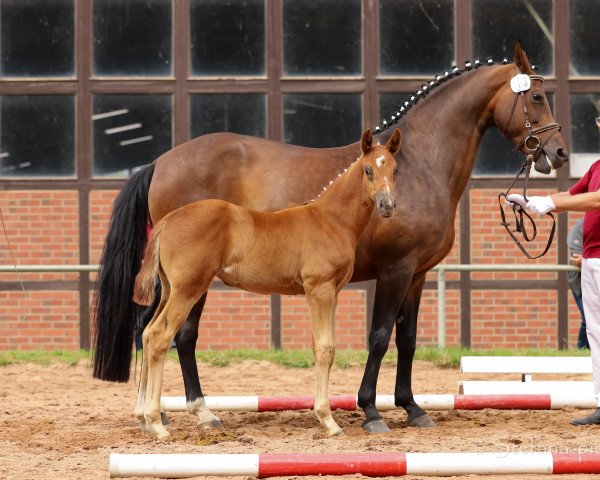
583, 202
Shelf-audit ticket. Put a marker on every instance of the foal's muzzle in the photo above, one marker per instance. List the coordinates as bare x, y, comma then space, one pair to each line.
385, 203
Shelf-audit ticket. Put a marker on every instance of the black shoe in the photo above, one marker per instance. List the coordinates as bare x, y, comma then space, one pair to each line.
592, 419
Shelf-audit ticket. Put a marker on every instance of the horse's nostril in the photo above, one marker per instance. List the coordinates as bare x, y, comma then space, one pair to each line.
563, 154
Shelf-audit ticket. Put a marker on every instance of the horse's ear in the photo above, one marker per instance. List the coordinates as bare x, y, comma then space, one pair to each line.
521, 59
393, 144
367, 141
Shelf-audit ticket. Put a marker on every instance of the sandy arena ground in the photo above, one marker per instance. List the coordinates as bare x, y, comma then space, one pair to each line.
59, 423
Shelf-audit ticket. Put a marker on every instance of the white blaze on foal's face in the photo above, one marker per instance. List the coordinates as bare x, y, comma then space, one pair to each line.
379, 161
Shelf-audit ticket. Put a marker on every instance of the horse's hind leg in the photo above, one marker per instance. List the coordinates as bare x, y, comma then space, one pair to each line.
321, 302
186, 347
406, 341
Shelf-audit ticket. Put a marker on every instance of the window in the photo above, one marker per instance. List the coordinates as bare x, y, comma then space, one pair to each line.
37, 136
415, 38
316, 43
228, 112
584, 37
129, 131
496, 27
585, 135
227, 38
321, 120
37, 38
132, 38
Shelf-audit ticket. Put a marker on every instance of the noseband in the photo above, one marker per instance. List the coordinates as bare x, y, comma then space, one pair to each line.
533, 149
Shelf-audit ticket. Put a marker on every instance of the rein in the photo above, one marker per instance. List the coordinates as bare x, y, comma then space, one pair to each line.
534, 148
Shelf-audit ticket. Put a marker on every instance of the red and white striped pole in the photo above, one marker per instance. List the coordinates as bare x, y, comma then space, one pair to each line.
386, 402
368, 464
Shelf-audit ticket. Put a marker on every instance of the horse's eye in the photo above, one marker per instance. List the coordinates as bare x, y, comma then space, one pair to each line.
395, 169
368, 171
538, 97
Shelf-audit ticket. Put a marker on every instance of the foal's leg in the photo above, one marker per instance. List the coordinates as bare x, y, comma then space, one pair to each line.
186, 347
142, 389
160, 335
389, 293
406, 341
321, 302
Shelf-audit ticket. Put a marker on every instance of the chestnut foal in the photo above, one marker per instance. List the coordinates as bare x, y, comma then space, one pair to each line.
306, 250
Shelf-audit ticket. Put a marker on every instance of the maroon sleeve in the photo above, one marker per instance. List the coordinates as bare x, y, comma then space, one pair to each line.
582, 185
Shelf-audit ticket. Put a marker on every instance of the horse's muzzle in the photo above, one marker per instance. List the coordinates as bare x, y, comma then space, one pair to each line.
385, 203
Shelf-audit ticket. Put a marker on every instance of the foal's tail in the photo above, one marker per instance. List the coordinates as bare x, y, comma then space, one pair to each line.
145, 282
115, 312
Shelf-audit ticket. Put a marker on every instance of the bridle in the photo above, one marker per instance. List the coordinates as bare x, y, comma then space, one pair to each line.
533, 149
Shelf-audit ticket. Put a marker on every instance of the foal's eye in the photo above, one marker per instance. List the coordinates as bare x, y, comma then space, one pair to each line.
368, 171
538, 97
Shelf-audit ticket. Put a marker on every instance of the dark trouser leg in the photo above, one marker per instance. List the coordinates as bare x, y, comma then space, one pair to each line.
406, 341
582, 340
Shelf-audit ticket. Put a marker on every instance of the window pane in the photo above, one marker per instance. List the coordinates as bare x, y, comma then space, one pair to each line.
416, 38
37, 38
321, 119
228, 38
132, 37
584, 37
322, 37
585, 135
497, 155
497, 24
37, 135
129, 131
230, 112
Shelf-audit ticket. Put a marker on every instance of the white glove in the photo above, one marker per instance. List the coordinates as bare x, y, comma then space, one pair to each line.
539, 205
513, 198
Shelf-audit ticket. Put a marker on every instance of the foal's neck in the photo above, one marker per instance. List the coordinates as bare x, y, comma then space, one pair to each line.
346, 201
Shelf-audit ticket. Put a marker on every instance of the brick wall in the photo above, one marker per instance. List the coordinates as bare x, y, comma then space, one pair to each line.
43, 228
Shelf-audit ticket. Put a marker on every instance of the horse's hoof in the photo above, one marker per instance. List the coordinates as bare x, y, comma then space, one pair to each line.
164, 419
375, 426
214, 424
424, 421
336, 432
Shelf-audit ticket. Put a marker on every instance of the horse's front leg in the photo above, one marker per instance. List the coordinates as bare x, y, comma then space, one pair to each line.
185, 341
322, 299
406, 341
389, 293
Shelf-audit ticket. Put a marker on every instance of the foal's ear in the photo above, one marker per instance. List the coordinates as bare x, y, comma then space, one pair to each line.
393, 144
521, 59
367, 141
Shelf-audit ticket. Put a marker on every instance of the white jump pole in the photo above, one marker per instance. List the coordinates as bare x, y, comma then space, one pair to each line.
386, 402
367, 464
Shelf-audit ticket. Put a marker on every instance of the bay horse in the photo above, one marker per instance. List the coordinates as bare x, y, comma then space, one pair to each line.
306, 250
442, 128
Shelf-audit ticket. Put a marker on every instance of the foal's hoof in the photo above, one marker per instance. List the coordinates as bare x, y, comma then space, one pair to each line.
214, 424
164, 419
375, 426
424, 421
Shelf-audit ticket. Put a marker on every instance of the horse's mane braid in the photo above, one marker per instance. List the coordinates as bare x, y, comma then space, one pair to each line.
428, 86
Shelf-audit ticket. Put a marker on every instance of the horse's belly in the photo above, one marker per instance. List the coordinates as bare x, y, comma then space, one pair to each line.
256, 283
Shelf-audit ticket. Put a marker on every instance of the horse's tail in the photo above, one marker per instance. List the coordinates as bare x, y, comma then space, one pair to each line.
145, 281
115, 312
